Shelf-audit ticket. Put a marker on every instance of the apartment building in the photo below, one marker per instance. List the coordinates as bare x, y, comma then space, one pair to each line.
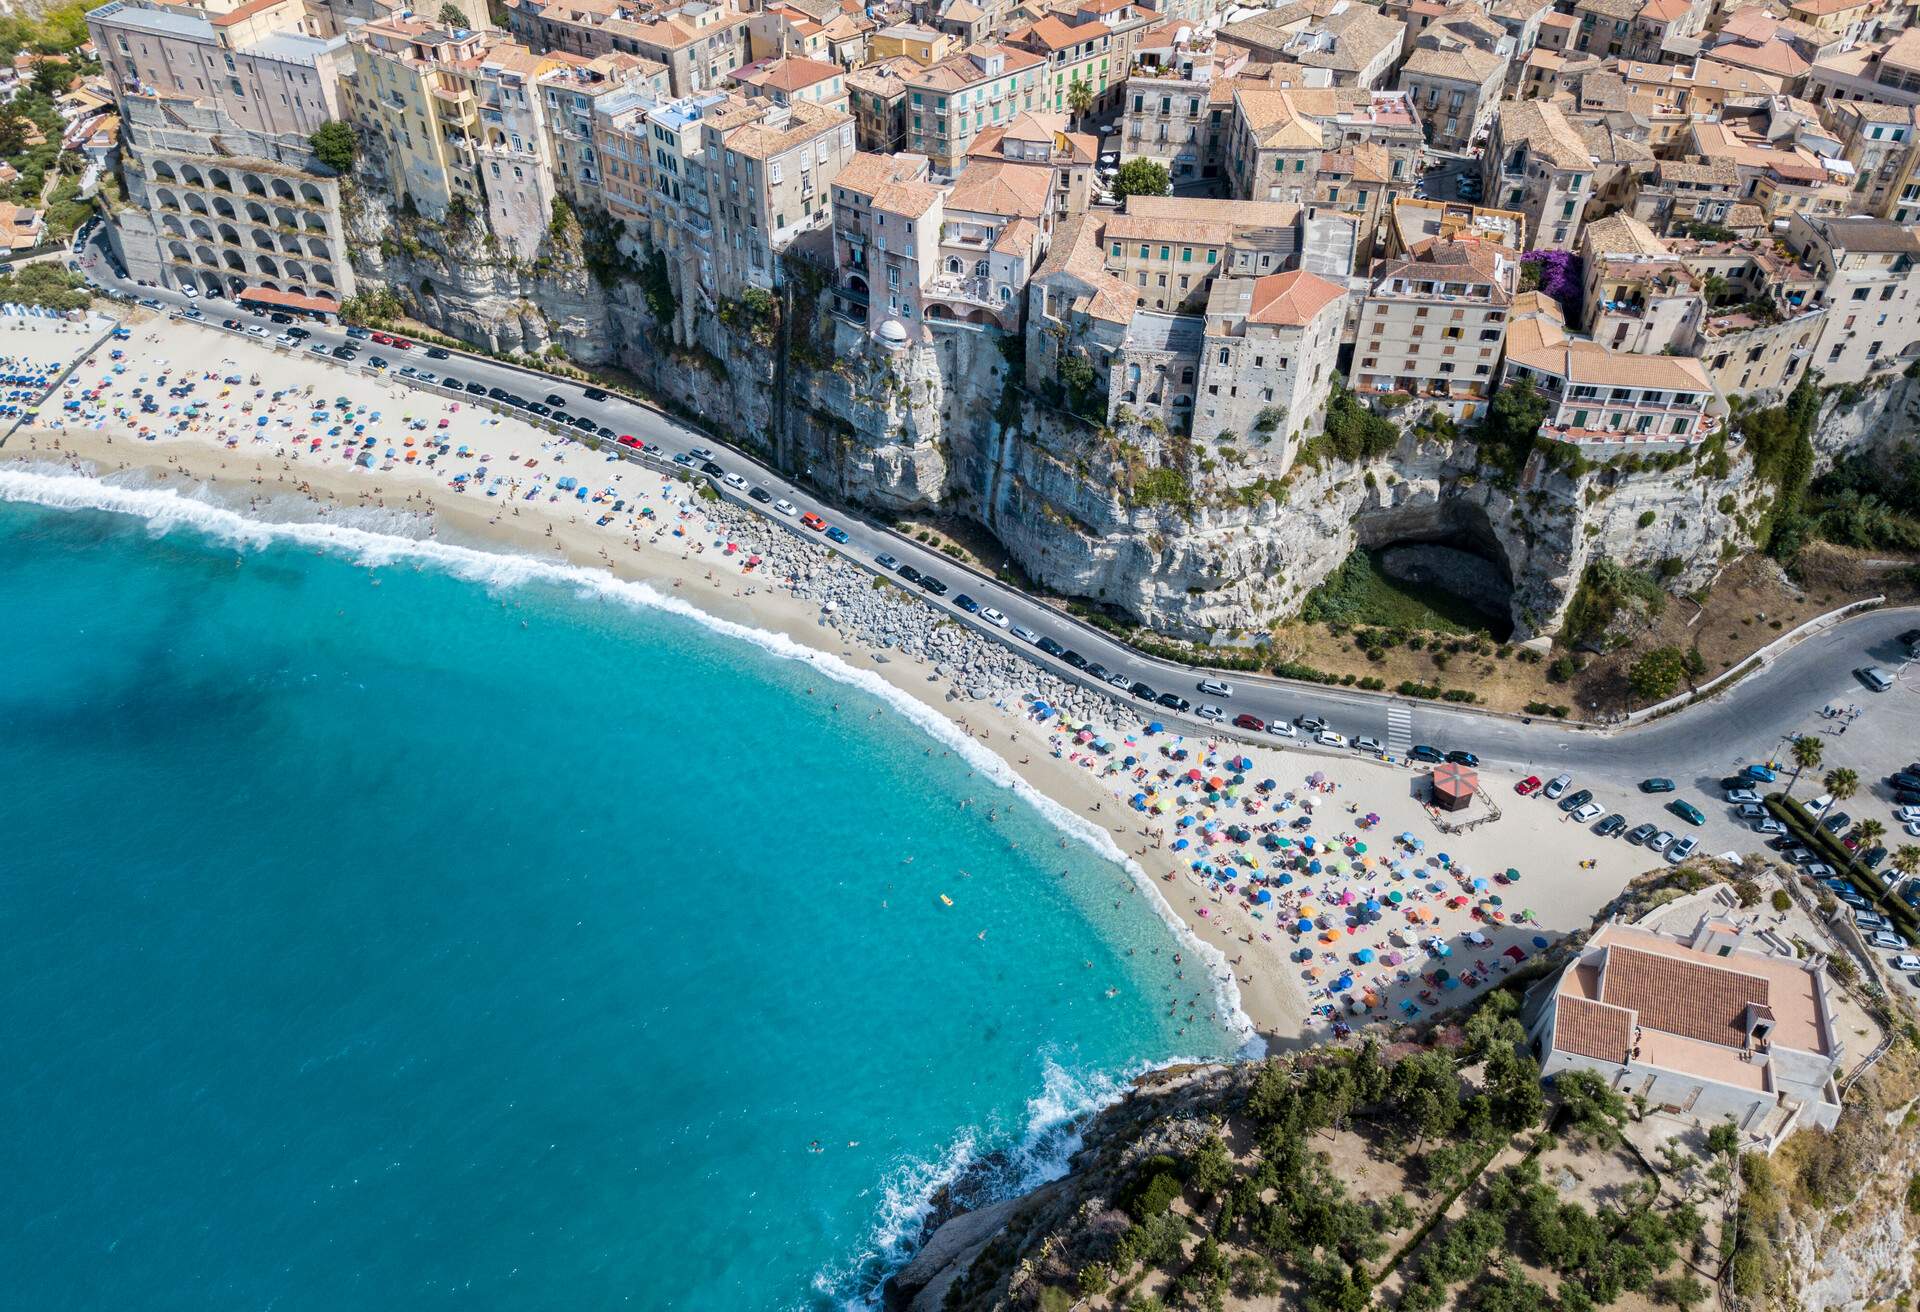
1345, 43
1168, 109
886, 235
1760, 341
1169, 249
1881, 73
793, 80
1672, 193
923, 45
1871, 271
570, 96
679, 202
1880, 142
1433, 322
216, 106
622, 150
1604, 399
1267, 358
1455, 75
1082, 54
877, 96
1273, 145
699, 41
1041, 143
1414, 221
768, 172
953, 101
1538, 164
1640, 297
457, 116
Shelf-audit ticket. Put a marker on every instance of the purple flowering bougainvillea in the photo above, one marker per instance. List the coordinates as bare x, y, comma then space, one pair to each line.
1560, 278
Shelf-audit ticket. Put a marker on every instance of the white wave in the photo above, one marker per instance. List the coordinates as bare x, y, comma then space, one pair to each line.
1066, 1100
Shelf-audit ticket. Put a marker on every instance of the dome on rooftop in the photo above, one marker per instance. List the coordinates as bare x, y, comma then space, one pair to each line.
892, 330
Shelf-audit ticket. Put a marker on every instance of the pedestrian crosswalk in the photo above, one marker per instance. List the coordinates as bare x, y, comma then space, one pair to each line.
1399, 730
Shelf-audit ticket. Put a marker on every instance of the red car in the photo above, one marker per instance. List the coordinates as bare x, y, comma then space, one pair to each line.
628, 439
1253, 722
383, 339
813, 521
1531, 784
402, 344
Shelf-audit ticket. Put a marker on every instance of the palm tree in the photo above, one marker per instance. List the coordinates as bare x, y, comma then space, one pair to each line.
1869, 832
1806, 756
1842, 783
1906, 858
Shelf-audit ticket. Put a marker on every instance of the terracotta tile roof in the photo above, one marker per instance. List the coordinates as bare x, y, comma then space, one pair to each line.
1455, 259
1292, 299
1712, 74
1460, 63
1017, 238
866, 173
1276, 121
1545, 131
959, 71
1053, 35
803, 122
1621, 234
1688, 998
1014, 190
1592, 1029
793, 73
1079, 255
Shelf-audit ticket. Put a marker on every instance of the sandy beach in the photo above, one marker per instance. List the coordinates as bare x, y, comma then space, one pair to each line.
1237, 868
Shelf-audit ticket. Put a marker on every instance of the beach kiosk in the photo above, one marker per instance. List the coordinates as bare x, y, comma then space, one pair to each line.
1453, 787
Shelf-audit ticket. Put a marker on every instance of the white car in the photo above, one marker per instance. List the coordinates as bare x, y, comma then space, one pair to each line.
734, 481
1887, 941
1591, 811
1913, 828
1680, 851
1819, 804
1556, 786
1280, 728
189, 291
1215, 688
1742, 796
1907, 814
1209, 712
1328, 738
284, 340
255, 330
1906, 961
1365, 744
995, 618
786, 507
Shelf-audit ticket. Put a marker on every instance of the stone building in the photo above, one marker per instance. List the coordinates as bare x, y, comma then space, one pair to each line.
1267, 360
1433, 322
1537, 163
1871, 272
1607, 401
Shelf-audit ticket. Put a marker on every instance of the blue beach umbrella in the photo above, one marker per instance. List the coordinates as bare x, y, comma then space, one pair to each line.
1303, 926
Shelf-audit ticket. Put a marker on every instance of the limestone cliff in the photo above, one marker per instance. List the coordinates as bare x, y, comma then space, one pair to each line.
1191, 539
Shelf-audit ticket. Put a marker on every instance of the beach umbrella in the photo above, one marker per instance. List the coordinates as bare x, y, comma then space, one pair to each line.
1359, 847
1449, 984
1540, 940
1363, 955
1302, 925
1443, 974
1372, 904
1342, 984
1396, 897
1512, 873
1479, 884
1263, 897
1156, 727
1313, 867
1392, 958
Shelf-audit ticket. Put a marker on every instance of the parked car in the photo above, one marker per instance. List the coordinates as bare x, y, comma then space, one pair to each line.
1640, 833
1328, 738
1143, 692
1282, 729
1906, 961
1591, 811
885, 560
1760, 774
1050, 647
1208, 711
1366, 744
994, 617
933, 585
836, 534
760, 494
1656, 785
1658, 843
1834, 823
1768, 825
1310, 723
1750, 810
813, 521
1025, 634
909, 573
1683, 849
1558, 785
1573, 801
1467, 759
1252, 723
1611, 825
1529, 785
786, 507
1074, 658
1432, 756
1911, 641
1742, 796
1874, 677
967, 604
1173, 701
1887, 941
1687, 811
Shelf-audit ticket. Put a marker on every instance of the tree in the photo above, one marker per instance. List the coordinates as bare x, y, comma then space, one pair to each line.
1723, 1140
1656, 675
1906, 859
1869, 832
1513, 421
1807, 751
452, 15
1590, 1104
335, 145
13, 131
1080, 98
52, 79
1141, 177
1842, 783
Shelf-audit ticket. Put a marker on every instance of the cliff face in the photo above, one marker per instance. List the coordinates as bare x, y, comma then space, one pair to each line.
1191, 539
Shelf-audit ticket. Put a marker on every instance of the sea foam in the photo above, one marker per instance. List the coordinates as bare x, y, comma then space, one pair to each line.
1066, 1101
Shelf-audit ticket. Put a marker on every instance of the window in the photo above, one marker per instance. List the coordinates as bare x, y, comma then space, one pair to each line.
1222, 357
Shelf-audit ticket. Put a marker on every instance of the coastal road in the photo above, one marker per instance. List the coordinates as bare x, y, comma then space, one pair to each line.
1695, 747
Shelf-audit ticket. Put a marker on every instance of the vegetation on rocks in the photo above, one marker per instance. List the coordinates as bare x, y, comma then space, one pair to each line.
335, 145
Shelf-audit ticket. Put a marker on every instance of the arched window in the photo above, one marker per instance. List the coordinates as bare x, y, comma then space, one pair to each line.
224, 208
1222, 357
1186, 375
953, 264
1133, 374
979, 268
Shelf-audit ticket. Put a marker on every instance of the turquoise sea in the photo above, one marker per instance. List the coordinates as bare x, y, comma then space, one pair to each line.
390, 927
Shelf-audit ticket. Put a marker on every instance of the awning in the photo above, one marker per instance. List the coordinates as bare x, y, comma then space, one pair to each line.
290, 300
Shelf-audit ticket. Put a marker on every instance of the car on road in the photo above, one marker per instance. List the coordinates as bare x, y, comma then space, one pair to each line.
437, 353
1680, 851
909, 573
1591, 811
1467, 759
1174, 702
1024, 633
1573, 801
1366, 744
700, 453
885, 560
1640, 833
1422, 752
1208, 711
1659, 842
786, 507
994, 617
1528, 786
1557, 785
555, 400
1310, 723
593, 394
734, 481
1252, 723
401, 344
1656, 785
1874, 677
1611, 825
760, 494
1281, 729
1687, 811
1328, 738
1834, 823
812, 521
1215, 688
967, 604
933, 585
836, 534
1742, 796
1144, 693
